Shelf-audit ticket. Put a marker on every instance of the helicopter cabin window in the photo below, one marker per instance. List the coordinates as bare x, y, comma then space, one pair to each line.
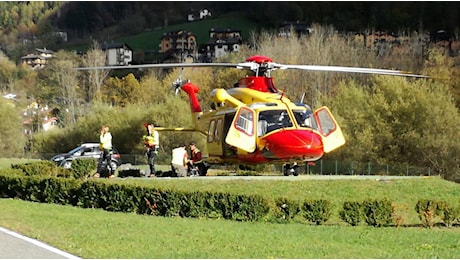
244, 121
270, 120
304, 118
211, 130
218, 132
326, 123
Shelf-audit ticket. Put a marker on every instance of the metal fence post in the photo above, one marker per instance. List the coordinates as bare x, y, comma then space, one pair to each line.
352, 173
321, 167
336, 166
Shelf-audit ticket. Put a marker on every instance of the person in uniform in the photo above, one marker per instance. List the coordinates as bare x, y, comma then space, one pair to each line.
152, 143
105, 145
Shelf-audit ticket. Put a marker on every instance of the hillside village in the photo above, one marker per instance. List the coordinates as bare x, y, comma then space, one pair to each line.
181, 45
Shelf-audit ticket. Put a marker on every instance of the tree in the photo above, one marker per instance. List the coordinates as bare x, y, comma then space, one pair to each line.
120, 92
400, 121
65, 76
7, 73
95, 57
11, 133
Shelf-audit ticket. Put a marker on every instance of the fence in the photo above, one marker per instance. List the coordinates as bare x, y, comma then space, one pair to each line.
321, 167
330, 167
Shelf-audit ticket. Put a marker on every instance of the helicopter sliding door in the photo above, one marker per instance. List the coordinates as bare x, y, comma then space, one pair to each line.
329, 129
241, 133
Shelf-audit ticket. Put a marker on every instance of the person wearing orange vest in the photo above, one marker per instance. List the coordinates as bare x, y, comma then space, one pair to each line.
152, 143
196, 160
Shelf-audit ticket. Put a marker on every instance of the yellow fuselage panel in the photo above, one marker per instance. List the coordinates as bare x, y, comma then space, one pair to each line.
249, 96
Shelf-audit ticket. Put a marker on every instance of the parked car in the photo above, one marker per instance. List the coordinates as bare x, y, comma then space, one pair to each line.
86, 150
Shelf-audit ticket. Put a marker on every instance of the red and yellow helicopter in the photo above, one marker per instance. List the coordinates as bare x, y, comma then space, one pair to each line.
253, 122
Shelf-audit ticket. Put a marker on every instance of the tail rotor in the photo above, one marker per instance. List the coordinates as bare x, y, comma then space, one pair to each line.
178, 83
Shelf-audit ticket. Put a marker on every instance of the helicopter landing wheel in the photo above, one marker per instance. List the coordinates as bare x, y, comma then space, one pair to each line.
288, 169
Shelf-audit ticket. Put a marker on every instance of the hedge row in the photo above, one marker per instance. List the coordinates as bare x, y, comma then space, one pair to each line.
123, 198
46, 183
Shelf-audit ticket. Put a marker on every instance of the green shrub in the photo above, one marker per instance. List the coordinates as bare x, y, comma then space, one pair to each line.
432, 211
9, 179
286, 209
41, 168
352, 212
82, 168
317, 211
58, 190
428, 212
448, 213
378, 213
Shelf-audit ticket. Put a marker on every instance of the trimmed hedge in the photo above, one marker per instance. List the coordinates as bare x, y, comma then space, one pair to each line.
46, 183
124, 198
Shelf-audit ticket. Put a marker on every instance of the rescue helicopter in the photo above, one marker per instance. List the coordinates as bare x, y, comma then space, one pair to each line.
253, 122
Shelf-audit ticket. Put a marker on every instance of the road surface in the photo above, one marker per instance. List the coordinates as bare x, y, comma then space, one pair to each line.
16, 246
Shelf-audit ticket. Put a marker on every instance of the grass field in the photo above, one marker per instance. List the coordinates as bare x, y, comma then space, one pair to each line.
90, 233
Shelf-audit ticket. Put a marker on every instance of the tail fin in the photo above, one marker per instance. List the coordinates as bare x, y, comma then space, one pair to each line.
191, 90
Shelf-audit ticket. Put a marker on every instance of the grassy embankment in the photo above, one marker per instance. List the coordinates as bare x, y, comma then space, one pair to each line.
90, 233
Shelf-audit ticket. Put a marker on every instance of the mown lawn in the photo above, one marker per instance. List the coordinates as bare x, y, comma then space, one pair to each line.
90, 233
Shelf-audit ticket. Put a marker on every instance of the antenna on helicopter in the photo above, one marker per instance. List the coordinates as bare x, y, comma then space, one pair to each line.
302, 98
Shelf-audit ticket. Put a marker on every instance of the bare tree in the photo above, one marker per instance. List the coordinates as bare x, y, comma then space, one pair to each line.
66, 76
95, 58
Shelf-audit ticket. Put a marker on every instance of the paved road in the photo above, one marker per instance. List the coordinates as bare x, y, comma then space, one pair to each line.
16, 246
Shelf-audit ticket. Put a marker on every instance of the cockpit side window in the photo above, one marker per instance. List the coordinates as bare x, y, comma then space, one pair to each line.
304, 118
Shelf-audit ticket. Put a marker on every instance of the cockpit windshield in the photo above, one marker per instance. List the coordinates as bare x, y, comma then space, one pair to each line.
270, 120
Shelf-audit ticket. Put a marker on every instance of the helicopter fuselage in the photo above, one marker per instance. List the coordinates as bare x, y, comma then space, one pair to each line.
268, 126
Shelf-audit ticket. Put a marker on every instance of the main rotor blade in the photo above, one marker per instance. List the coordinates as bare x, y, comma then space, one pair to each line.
349, 69
164, 65
270, 66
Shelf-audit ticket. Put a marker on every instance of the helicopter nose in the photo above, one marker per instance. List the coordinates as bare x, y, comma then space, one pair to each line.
294, 144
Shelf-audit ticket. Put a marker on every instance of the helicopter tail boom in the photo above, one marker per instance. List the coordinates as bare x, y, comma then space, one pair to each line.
191, 90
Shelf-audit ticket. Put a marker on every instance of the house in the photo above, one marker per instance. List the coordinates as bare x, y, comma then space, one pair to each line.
198, 15
222, 42
117, 54
38, 58
300, 28
178, 44
49, 123
38, 118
